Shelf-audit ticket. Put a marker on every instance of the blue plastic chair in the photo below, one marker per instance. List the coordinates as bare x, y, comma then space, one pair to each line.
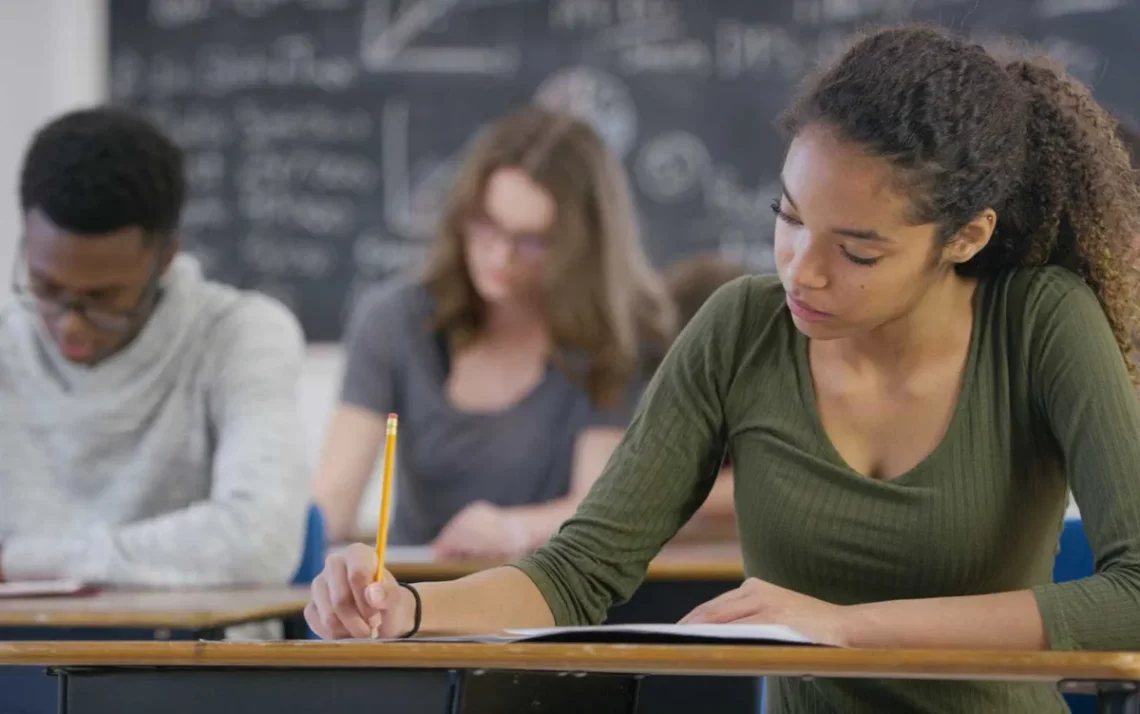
1075, 558
313, 558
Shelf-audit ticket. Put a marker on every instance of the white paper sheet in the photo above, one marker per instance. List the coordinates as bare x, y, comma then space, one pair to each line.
641, 633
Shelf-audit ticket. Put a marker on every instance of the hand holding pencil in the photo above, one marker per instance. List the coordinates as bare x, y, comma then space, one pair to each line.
354, 596
386, 493
347, 601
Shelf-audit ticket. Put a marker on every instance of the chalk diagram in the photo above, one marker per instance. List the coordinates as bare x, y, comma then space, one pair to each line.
594, 97
676, 167
672, 167
388, 30
411, 201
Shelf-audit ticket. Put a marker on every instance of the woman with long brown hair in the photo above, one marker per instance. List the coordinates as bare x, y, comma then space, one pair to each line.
514, 361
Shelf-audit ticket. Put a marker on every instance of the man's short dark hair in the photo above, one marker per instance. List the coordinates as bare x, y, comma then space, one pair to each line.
103, 169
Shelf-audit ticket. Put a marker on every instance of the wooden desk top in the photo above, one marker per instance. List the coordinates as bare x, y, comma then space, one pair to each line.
625, 659
156, 609
709, 561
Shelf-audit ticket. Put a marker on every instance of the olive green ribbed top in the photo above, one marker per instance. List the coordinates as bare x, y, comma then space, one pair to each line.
1045, 404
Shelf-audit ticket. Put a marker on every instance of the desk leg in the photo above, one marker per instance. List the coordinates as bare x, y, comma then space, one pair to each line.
1118, 698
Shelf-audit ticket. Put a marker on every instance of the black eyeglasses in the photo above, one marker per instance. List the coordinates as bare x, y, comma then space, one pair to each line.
101, 317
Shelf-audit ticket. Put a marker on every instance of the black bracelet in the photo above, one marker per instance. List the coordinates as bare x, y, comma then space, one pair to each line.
419, 611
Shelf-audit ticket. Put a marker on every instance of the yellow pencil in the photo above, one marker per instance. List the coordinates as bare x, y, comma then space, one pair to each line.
386, 496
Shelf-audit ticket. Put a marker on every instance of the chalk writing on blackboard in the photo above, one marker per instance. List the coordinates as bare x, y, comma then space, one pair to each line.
260, 123
389, 31
323, 136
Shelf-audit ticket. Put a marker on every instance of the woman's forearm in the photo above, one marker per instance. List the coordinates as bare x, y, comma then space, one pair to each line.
483, 603
1009, 620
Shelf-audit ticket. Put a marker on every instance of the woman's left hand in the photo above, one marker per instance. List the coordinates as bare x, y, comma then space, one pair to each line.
757, 602
481, 531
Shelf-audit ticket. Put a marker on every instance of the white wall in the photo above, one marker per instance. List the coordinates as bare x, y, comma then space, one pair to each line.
53, 59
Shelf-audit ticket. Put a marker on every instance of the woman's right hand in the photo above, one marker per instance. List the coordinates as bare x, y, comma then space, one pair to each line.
345, 601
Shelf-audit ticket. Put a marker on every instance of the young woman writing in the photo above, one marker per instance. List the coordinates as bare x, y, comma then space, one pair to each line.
940, 358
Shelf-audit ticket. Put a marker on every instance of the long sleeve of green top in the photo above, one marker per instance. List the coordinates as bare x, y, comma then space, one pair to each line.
1045, 405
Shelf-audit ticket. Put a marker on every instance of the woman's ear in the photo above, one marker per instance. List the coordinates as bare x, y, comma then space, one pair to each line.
971, 238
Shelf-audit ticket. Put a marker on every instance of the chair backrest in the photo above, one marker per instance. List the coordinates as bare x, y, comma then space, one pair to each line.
313, 558
1075, 559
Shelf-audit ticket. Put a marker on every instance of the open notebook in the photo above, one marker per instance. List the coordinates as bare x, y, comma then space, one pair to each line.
642, 634
44, 588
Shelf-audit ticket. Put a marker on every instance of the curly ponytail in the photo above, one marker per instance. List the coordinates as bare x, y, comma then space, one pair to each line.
966, 132
1079, 205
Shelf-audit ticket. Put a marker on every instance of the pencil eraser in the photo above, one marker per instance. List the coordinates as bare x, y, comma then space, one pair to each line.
392, 415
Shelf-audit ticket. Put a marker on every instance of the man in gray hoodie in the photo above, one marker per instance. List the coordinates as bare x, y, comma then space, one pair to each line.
149, 426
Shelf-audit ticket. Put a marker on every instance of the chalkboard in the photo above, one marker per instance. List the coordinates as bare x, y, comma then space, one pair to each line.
322, 134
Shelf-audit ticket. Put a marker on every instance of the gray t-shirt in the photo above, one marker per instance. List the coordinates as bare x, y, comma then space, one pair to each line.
448, 458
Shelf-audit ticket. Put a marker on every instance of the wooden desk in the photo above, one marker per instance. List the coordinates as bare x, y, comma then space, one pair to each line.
228, 677
131, 615
191, 610
712, 562
679, 579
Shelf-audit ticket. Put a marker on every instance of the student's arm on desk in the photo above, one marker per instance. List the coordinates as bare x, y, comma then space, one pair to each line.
251, 528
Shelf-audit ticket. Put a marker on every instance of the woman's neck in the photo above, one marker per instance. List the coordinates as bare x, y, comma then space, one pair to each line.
516, 324
937, 325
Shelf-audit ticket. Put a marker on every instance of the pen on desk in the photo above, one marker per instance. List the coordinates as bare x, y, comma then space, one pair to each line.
386, 496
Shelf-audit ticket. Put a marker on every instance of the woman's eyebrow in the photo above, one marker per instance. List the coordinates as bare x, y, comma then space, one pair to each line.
859, 233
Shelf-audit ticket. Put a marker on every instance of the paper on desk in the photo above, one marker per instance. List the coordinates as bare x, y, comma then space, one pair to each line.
42, 588
644, 634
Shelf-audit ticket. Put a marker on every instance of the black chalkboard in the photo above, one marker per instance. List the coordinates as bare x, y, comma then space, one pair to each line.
321, 134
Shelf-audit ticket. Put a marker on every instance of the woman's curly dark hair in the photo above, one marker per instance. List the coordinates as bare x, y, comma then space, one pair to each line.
969, 131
